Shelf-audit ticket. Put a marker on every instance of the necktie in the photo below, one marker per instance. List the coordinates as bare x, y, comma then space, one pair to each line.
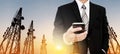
84, 17
85, 20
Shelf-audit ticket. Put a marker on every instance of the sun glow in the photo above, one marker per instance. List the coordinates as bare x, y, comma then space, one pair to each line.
59, 47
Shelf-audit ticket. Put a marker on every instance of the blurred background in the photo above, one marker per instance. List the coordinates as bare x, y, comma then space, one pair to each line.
43, 12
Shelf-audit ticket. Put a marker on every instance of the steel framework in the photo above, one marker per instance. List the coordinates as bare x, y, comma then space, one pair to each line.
12, 36
113, 49
29, 41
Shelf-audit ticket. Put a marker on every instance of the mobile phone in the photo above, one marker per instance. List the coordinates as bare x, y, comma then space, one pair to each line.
79, 24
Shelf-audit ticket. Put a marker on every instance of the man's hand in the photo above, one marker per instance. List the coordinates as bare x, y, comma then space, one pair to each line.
69, 36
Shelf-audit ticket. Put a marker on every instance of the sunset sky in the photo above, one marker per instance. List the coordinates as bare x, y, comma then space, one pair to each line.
43, 12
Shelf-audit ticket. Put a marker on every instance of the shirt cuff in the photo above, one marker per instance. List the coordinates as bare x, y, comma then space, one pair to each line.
66, 40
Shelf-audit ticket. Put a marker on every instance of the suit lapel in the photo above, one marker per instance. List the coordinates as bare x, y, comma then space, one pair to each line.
92, 15
92, 12
76, 11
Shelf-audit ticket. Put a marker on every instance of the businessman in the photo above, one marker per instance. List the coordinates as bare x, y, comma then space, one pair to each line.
95, 37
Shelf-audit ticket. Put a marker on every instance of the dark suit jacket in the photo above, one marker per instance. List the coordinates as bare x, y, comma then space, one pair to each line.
97, 34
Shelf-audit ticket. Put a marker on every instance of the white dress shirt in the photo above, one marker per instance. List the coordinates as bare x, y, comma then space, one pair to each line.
87, 5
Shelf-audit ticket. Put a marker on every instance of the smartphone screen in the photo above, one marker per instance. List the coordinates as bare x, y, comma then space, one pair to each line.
79, 24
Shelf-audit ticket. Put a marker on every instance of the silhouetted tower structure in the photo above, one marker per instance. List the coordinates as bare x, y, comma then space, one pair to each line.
12, 36
112, 40
29, 41
43, 49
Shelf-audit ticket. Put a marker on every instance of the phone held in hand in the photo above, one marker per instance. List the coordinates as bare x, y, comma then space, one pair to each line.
79, 24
